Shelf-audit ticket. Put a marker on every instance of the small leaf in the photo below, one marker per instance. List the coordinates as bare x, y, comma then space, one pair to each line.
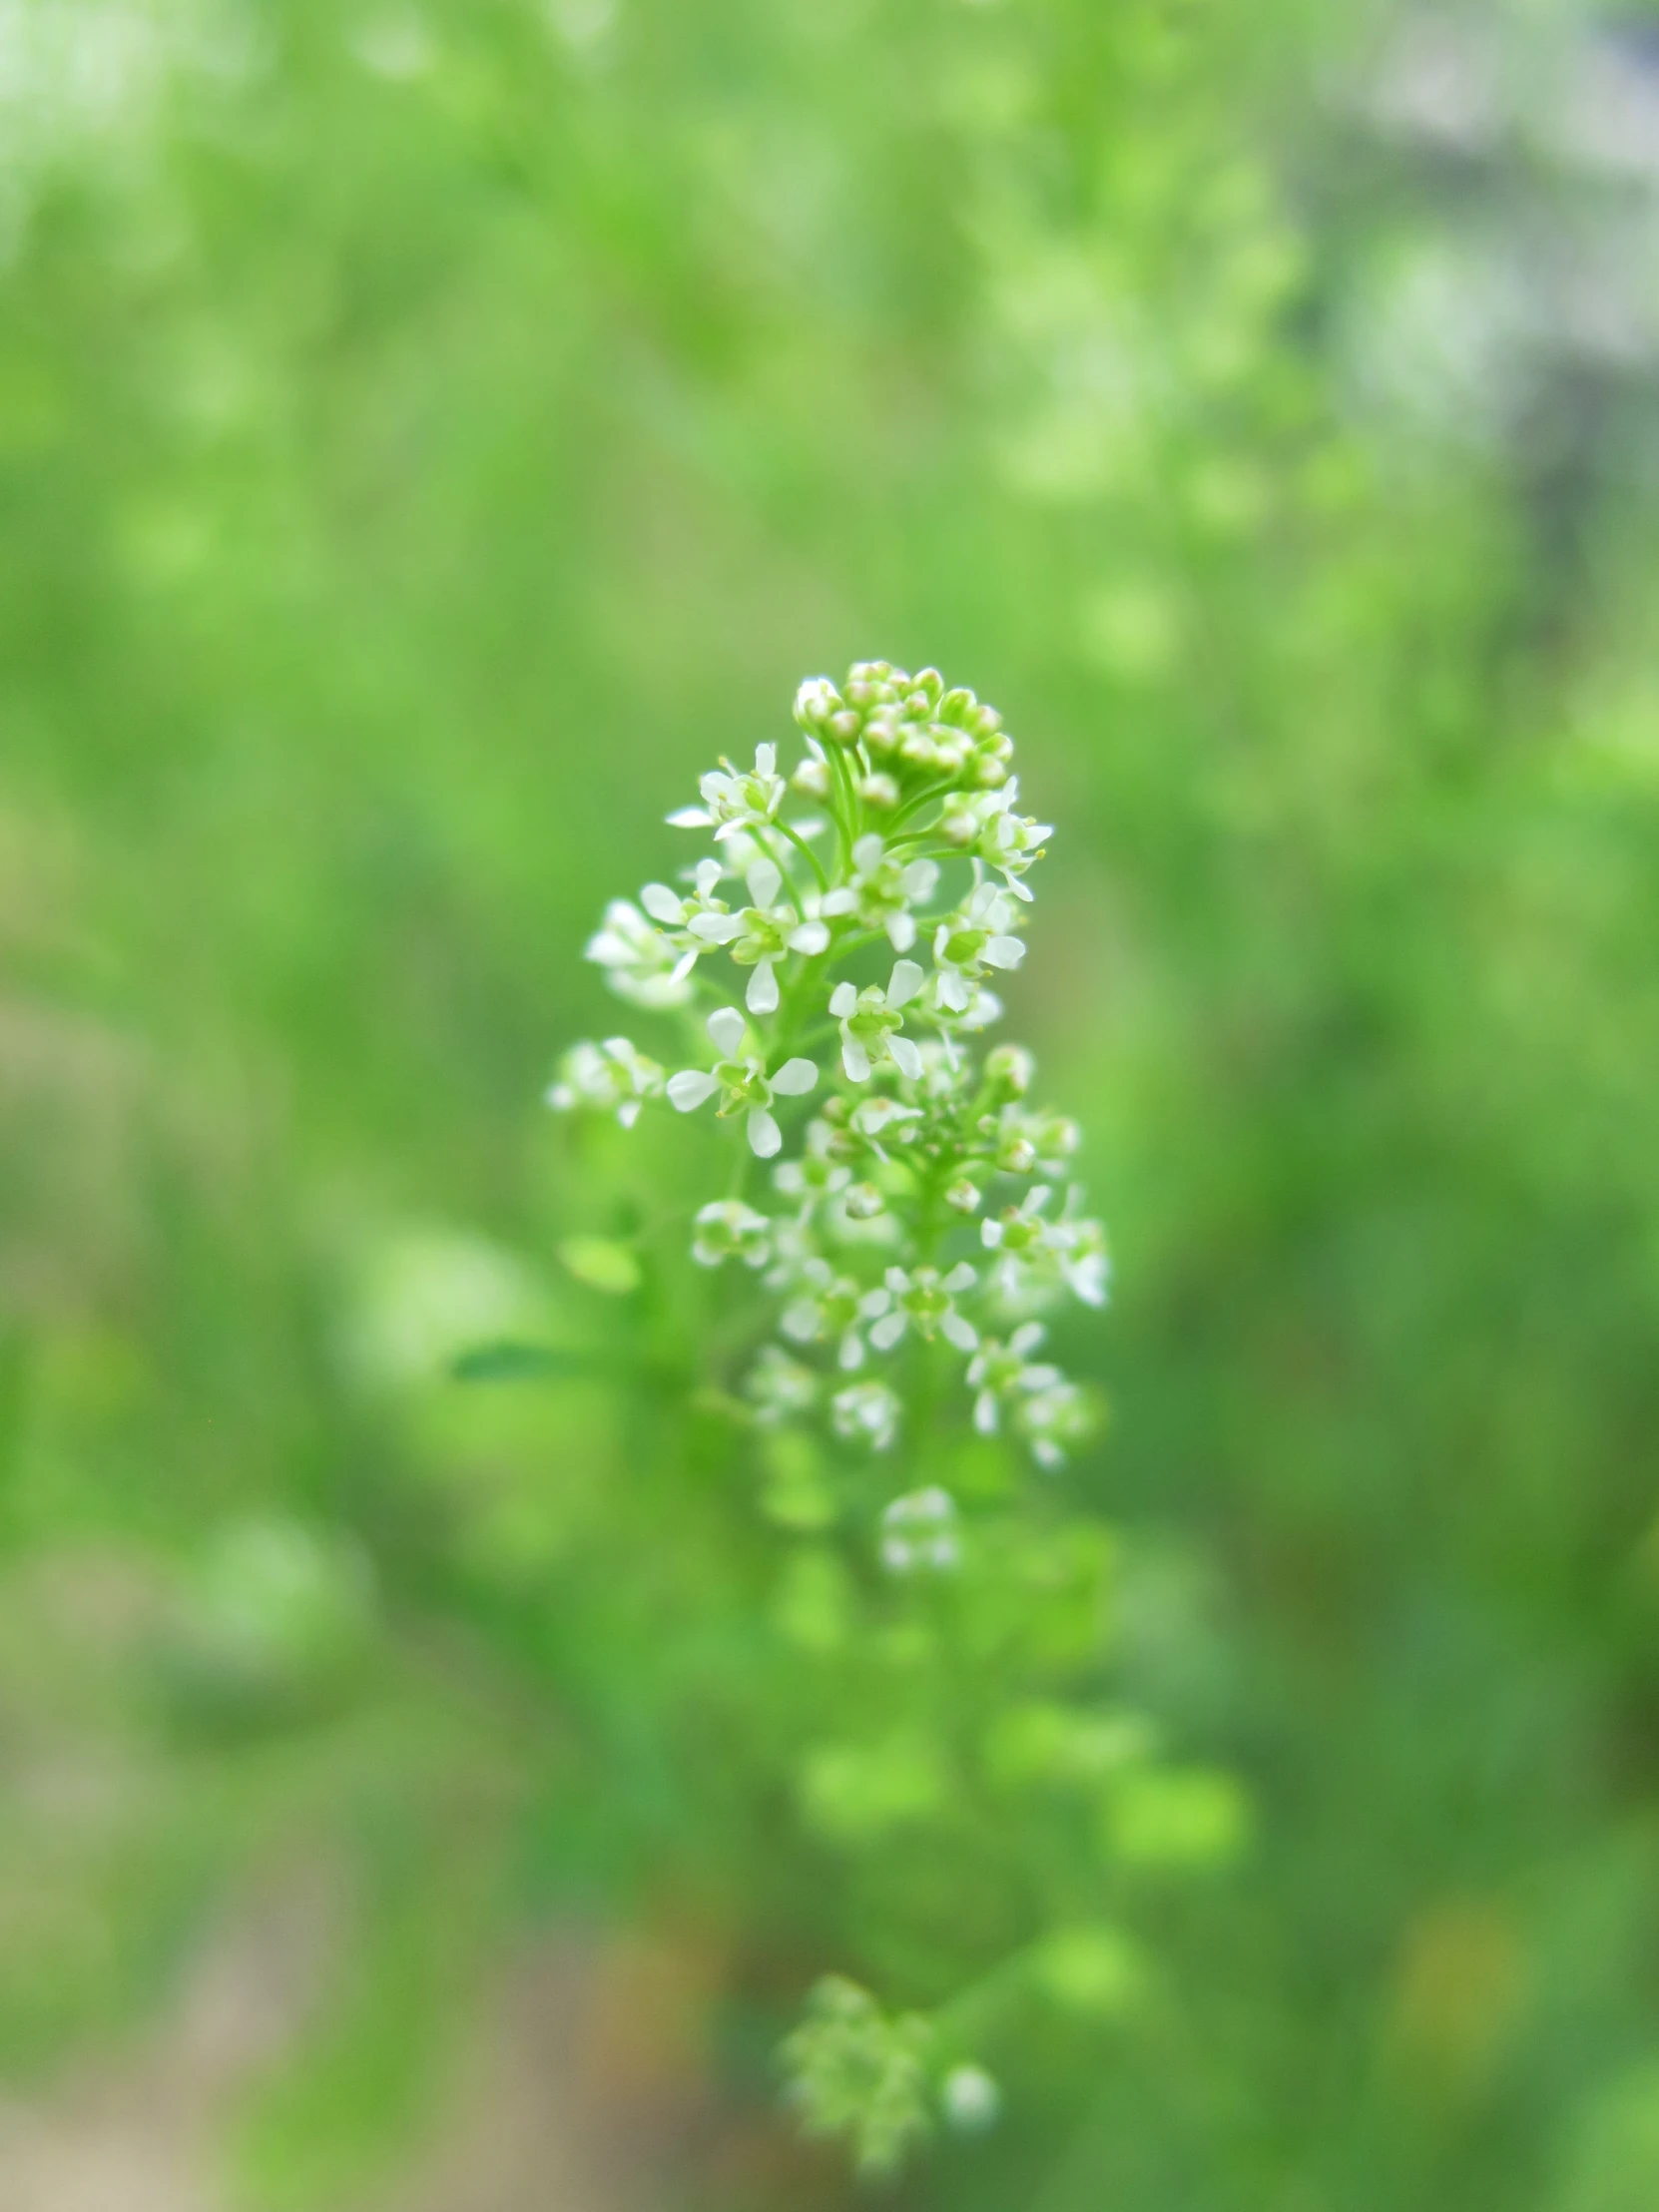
517, 1362
602, 1264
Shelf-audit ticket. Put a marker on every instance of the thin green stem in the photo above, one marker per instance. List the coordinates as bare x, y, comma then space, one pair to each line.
801, 846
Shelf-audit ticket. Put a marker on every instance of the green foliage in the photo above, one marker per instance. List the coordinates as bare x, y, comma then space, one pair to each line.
426, 435
853, 2071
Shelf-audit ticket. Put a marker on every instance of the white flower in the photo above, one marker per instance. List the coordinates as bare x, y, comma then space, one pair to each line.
985, 825
925, 1300
735, 798
979, 936
1003, 1371
780, 1387
1035, 1249
744, 1083
1054, 1419
871, 1021
919, 1530
970, 2097
815, 700
613, 1077
828, 1308
763, 933
817, 1174
868, 1412
883, 890
872, 1117
640, 962
727, 1229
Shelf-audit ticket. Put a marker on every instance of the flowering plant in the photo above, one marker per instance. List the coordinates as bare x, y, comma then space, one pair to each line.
902, 1213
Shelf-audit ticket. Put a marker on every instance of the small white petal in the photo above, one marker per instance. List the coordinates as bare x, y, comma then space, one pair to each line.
962, 1277
661, 905
897, 1280
990, 1233
1006, 952
764, 1136
800, 1322
961, 1334
628, 1112
766, 760
873, 1303
901, 930
1027, 1338
842, 902
843, 1000
683, 966
867, 854
921, 879
715, 928
855, 1061
761, 995
907, 979
953, 992
690, 1089
691, 818
852, 1353
984, 1413
907, 1057
795, 1078
706, 875
726, 1026
811, 936
766, 880
887, 1331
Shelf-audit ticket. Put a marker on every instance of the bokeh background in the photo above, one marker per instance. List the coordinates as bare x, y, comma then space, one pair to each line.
427, 437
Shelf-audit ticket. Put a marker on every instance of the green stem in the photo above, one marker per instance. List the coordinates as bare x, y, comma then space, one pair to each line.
801, 846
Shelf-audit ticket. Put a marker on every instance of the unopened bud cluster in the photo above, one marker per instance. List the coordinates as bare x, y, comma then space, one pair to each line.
920, 1213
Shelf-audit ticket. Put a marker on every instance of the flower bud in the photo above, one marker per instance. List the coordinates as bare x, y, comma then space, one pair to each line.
1011, 1068
963, 1196
880, 736
1018, 1156
811, 778
864, 1202
970, 2099
959, 825
878, 791
816, 702
843, 726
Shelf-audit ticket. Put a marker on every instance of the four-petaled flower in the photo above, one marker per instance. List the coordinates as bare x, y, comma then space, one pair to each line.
923, 1299
999, 1371
1033, 1248
1053, 1420
817, 1174
919, 1530
866, 1414
829, 1307
780, 1387
759, 935
613, 1077
871, 1021
883, 890
735, 798
985, 825
639, 961
727, 1229
744, 1083
979, 936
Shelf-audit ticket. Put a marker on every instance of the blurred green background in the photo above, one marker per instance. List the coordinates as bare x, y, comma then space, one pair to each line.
427, 437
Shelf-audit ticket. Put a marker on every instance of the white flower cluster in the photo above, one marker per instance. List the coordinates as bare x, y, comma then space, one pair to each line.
918, 1220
